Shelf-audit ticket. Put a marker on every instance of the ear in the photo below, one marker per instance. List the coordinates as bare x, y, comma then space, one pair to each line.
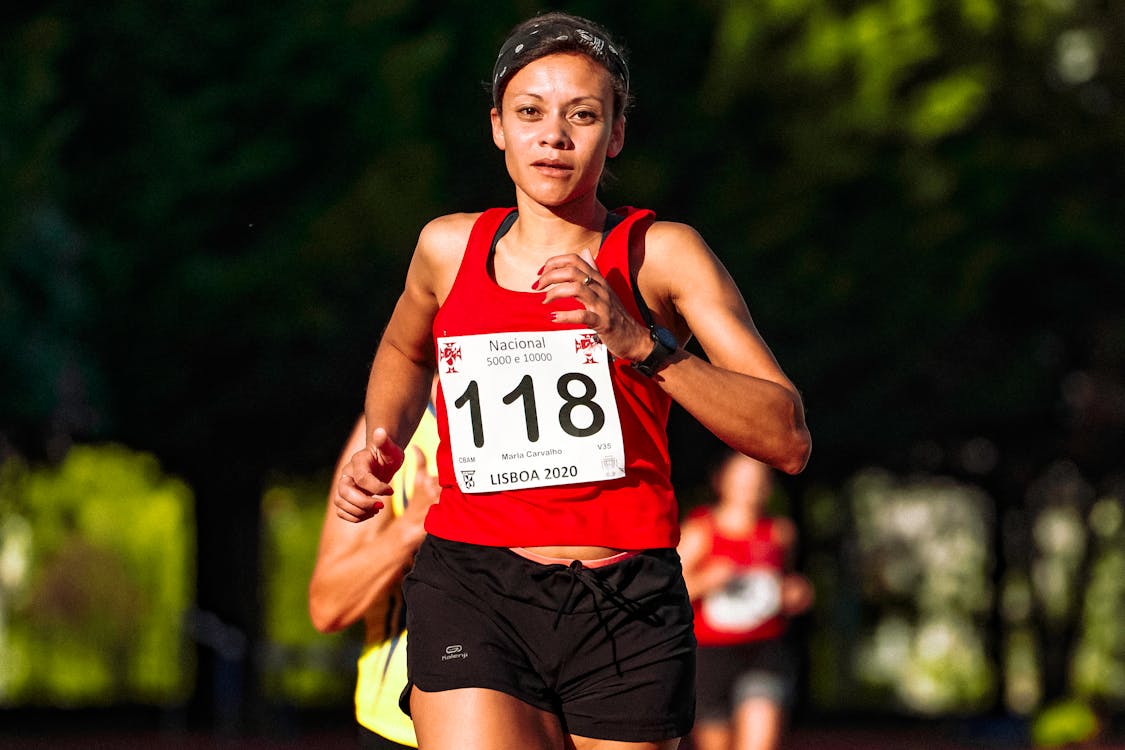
616, 137
497, 129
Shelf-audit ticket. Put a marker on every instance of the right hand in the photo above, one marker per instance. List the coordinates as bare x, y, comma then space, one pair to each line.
365, 480
577, 276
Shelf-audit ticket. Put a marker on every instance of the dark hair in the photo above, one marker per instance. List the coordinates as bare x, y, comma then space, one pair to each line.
552, 33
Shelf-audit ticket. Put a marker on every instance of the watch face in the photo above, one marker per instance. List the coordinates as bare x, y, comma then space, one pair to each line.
665, 337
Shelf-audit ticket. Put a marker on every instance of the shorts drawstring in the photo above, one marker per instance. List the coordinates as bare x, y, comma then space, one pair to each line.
574, 568
578, 572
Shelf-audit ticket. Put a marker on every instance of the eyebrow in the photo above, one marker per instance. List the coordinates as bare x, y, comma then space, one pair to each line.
574, 100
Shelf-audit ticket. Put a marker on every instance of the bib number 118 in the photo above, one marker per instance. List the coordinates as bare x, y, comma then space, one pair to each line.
581, 398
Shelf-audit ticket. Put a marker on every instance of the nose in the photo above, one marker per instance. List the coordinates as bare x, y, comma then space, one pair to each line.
556, 133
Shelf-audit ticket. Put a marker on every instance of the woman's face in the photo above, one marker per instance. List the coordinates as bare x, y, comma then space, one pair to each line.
744, 482
556, 128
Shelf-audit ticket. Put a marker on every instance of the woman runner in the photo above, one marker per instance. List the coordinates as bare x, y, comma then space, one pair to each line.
546, 607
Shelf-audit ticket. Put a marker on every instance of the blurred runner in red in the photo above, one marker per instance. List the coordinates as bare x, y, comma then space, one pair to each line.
736, 565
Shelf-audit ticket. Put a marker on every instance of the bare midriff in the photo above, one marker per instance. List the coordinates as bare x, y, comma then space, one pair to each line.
575, 552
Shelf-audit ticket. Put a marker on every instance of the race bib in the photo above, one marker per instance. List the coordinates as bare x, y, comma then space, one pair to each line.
530, 409
746, 602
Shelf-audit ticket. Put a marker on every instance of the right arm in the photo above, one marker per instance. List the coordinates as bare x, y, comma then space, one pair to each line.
356, 564
399, 384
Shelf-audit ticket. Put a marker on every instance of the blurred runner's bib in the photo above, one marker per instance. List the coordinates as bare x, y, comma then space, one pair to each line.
746, 602
530, 409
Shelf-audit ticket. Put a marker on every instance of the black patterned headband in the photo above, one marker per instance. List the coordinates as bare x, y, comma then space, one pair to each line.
590, 42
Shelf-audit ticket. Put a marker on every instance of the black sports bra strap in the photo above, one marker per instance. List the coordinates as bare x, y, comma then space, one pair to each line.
611, 222
502, 230
642, 306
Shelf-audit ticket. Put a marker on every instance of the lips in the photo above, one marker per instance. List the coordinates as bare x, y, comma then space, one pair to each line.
552, 167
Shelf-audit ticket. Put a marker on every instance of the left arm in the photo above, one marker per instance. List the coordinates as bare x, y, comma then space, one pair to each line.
797, 593
739, 391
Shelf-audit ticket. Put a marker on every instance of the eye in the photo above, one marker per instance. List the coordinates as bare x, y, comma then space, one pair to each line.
585, 115
527, 111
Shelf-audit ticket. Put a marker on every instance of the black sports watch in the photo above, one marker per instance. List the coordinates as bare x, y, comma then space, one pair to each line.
664, 345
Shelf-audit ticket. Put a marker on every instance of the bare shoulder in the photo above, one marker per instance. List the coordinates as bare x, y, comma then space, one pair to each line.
675, 247
446, 234
441, 245
691, 532
695, 540
669, 236
674, 231
678, 266
696, 525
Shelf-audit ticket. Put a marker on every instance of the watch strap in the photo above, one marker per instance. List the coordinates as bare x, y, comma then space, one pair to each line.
661, 350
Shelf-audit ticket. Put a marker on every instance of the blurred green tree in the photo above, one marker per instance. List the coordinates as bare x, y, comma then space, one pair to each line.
97, 573
301, 666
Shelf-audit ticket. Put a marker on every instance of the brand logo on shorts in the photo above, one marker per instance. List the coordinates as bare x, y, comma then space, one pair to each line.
456, 651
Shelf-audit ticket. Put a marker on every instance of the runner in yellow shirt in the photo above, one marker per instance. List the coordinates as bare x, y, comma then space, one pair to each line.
358, 573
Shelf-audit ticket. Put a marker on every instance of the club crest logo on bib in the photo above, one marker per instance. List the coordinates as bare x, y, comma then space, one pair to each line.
530, 409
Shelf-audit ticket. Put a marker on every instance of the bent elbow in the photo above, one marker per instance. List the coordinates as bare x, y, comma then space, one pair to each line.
320, 620
797, 455
798, 443
325, 622
325, 618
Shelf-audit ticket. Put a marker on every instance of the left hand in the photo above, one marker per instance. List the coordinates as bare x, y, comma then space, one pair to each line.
577, 276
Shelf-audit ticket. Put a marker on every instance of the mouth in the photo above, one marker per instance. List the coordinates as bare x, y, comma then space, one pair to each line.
552, 167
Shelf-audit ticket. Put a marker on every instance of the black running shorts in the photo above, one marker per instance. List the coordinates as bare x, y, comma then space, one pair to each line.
610, 650
728, 676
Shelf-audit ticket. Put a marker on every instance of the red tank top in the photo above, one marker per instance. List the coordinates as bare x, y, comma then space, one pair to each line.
748, 609
636, 511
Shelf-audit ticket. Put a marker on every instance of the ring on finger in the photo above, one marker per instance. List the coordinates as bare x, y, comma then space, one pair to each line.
586, 281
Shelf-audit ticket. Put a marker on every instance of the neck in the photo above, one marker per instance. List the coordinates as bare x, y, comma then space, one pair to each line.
540, 233
560, 229
550, 225
734, 518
